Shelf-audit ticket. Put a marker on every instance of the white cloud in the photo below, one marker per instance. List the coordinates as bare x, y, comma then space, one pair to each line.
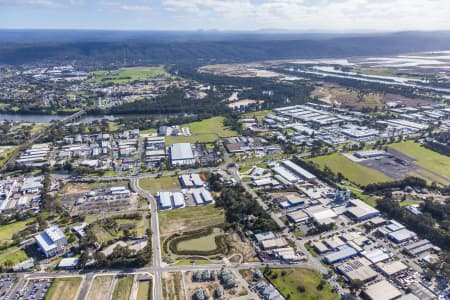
127, 6
320, 14
41, 3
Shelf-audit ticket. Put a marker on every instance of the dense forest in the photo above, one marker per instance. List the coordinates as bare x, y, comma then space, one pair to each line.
143, 49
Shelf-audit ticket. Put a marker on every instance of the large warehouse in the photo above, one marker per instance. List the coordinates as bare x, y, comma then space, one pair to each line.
181, 154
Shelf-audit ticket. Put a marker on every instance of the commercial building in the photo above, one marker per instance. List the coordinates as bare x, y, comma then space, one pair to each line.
181, 154
52, 241
68, 263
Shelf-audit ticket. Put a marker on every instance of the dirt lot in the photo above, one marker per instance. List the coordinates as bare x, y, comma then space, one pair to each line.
192, 286
100, 288
239, 246
172, 286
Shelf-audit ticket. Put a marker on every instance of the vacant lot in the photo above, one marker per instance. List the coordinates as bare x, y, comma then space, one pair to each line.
64, 288
122, 290
212, 126
353, 171
172, 286
347, 97
144, 290
425, 158
183, 219
125, 75
100, 288
160, 184
300, 284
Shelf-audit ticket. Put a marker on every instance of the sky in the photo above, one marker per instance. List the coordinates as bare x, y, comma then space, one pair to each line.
298, 15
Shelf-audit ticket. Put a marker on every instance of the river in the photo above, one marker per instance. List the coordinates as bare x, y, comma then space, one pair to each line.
321, 71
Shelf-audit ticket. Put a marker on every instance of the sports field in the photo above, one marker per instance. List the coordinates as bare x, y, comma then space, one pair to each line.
179, 220
425, 158
300, 284
64, 288
356, 173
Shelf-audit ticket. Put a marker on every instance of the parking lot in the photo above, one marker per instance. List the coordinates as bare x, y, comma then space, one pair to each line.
6, 285
35, 289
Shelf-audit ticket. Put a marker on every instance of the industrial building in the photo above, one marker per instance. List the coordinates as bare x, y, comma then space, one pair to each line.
360, 211
52, 241
321, 215
191, 181
392, 268
168, 200
381, 290
358, 269
369, 154
376, 256
419, 247
401, 236
343, 253
181, 154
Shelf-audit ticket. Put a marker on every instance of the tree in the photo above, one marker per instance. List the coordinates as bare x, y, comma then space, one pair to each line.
356, 285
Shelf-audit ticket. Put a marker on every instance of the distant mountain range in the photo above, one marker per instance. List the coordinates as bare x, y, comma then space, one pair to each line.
139, 47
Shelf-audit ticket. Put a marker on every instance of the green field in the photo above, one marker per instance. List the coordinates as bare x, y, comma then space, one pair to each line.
122, 291
356, 173
13, 258
200, 138
7, 231
161, 183
64, 288
179, 220
205, 243
428, 159
210, 126
294, 278
125, 75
